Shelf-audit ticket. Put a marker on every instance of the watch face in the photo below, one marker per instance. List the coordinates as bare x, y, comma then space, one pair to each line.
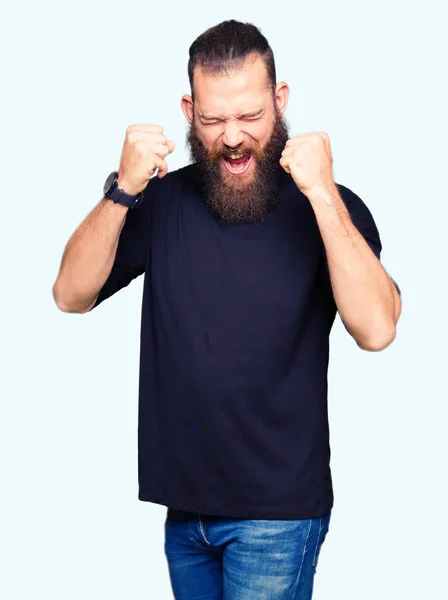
109, 182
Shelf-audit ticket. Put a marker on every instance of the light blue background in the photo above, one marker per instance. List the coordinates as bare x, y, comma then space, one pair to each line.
74, 76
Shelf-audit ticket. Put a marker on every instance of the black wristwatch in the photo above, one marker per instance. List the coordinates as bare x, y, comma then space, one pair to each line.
112, 191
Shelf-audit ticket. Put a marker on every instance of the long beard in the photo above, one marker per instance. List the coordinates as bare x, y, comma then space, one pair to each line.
229, 197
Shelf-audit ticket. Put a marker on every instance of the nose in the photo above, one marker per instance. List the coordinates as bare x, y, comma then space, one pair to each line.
233, 136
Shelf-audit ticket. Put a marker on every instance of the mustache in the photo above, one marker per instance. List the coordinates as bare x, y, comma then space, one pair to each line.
222, 152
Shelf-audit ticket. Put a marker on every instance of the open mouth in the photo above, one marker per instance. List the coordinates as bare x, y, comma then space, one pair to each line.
238, 166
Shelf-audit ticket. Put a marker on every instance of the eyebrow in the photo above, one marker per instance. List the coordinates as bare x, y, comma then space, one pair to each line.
254, 113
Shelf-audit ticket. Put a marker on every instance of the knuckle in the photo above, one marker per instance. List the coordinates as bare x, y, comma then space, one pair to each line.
140, 146
155, 157
158, 150
132, 135
159, 139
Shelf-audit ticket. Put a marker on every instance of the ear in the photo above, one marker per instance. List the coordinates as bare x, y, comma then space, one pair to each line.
281, 96
187, 107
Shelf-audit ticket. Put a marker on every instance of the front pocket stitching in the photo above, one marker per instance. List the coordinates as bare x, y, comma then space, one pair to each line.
316, 553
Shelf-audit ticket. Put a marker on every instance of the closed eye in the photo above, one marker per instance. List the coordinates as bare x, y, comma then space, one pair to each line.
242, 118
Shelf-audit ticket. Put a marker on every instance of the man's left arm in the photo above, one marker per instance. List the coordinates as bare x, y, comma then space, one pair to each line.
366, 297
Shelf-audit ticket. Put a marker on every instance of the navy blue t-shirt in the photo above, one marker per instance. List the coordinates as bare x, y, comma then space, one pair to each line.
234, 351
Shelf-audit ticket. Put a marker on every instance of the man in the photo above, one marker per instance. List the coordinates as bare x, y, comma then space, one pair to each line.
248, 253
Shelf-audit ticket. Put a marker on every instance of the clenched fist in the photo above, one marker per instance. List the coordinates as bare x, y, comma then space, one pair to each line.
144, 150
308, 158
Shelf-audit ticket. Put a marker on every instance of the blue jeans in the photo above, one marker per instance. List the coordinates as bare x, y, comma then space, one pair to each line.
221, 558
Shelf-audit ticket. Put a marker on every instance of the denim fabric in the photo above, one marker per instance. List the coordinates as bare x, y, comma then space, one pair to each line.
221, 558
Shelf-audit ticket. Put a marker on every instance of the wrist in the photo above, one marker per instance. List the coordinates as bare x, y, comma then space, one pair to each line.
120, 191
324, 194
116, 206
126, 186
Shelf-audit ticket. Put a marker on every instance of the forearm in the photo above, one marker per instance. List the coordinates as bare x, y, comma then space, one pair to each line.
365, 295
88, 257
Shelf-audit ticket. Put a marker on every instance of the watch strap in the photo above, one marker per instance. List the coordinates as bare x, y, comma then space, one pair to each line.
119, 196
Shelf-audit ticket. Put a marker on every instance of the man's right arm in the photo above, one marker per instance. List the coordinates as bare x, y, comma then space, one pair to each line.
88, 257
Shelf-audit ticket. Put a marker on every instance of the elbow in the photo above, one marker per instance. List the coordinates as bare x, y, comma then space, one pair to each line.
62, 305
381, 330
378, 340
58, 300
66, 306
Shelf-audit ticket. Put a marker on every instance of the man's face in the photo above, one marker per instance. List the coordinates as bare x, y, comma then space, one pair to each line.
236, 137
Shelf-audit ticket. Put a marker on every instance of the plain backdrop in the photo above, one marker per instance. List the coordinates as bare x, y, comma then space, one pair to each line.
74, 76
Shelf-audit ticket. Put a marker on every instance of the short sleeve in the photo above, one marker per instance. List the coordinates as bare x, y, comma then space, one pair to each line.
132, 250
364, 222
